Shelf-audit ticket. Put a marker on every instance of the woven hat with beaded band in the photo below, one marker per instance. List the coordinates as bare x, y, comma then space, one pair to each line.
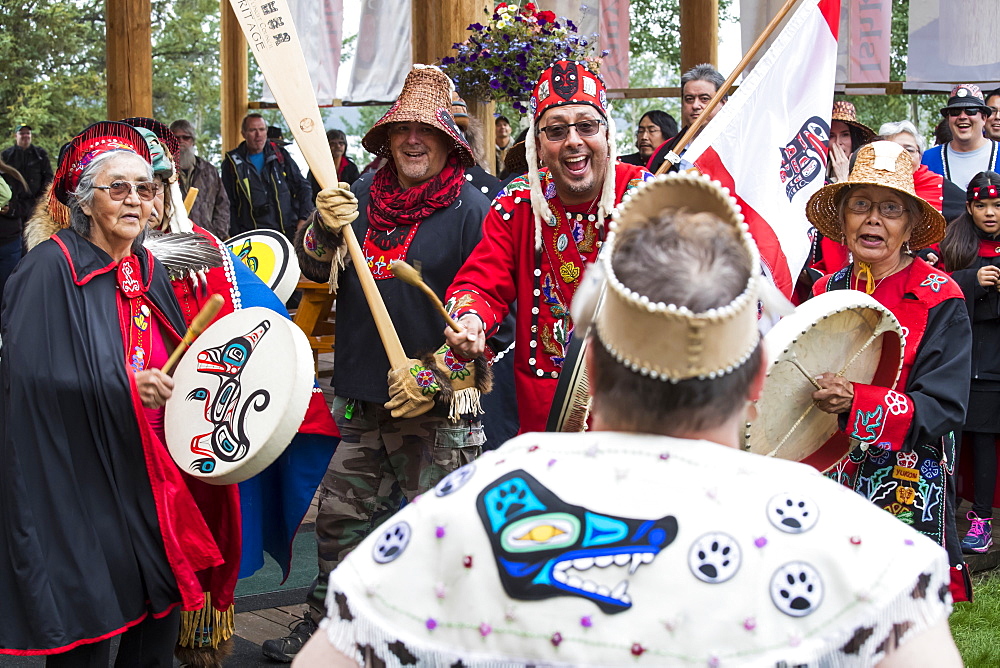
567, 82
687, 345
425, 98
845, 112
881, 163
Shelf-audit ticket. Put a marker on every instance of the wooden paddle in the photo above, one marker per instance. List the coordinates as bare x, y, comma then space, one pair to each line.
204, 318
275, 44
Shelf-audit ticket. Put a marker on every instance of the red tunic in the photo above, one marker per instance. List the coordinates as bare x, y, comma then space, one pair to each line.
506, 266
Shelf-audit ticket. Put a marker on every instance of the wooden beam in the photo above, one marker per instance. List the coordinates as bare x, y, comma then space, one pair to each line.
129, 52
437, 24
234, 78
699, 33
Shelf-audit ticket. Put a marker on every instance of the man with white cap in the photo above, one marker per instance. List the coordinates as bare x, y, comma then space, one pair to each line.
541, 232
652, 540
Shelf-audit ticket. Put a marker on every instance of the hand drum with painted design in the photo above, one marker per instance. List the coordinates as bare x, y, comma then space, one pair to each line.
240, 394
844, 332
271, 256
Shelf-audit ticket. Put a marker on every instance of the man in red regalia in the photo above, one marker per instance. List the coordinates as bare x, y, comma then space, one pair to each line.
541, 232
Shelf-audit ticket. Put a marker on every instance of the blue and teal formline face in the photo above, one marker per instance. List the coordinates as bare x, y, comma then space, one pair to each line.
545, 547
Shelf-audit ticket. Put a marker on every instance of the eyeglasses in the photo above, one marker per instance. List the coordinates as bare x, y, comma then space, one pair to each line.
647, 131
183, 137
887, 209
587, 128
119, 190
971, 112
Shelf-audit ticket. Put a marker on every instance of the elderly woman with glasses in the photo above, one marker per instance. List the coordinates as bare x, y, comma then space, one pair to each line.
99, 535
904, 435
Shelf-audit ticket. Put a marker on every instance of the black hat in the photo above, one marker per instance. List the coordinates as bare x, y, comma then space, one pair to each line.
22, 127
966, 96
276, 135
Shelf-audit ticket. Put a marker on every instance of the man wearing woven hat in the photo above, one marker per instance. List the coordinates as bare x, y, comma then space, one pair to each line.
905, 433
541, 232
653, 539
395, 443
969, 151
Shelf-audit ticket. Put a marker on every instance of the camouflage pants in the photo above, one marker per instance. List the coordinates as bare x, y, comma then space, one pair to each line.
379, 462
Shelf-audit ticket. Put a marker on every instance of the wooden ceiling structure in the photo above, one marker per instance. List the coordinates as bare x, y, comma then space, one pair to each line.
437, 24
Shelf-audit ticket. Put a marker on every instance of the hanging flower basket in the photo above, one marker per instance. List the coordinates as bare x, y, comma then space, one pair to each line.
502, 60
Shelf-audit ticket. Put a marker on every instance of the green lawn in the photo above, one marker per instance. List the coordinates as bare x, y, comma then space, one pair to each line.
976, 625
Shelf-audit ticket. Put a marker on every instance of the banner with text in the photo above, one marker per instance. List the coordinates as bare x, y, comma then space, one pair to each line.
865, 36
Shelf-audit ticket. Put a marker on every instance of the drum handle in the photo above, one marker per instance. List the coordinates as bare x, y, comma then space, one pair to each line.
198, 325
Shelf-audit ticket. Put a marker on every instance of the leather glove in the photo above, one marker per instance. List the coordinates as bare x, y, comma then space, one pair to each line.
337, 207
412, 389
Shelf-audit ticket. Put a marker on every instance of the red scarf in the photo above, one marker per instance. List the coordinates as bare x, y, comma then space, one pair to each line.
391, 205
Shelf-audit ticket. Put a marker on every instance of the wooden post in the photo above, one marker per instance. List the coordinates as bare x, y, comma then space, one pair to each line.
699, 33
437, 24
233, 88
129, 52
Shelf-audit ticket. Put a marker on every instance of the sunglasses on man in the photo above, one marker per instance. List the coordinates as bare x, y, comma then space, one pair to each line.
971, 112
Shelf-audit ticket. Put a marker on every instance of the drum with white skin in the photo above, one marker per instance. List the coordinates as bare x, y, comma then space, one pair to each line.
240, 394
271, 256
844, 332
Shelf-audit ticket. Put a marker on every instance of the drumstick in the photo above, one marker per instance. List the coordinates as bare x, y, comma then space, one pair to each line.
198, 325
795, 362
190, 198
404, 272
271, 34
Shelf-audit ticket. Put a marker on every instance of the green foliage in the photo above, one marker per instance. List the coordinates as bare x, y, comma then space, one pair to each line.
922, 110
185, 36
368, 116
974, 625
654, 61
54, 59
55, 85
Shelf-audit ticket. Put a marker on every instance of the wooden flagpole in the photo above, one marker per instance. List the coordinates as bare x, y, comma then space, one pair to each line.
673, 157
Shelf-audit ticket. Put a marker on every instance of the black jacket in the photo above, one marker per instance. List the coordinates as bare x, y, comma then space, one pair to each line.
661, 152
18, 211
33, 163
349, 173
275, 199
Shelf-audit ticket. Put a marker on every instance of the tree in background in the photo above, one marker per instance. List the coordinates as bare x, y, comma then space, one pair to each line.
54, 85
924, 111
54, 62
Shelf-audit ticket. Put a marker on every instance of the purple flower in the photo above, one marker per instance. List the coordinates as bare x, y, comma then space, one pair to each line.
495, 84
475, 26
447, 60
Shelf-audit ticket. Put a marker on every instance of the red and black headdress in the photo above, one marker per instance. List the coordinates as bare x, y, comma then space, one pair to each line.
97, 139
